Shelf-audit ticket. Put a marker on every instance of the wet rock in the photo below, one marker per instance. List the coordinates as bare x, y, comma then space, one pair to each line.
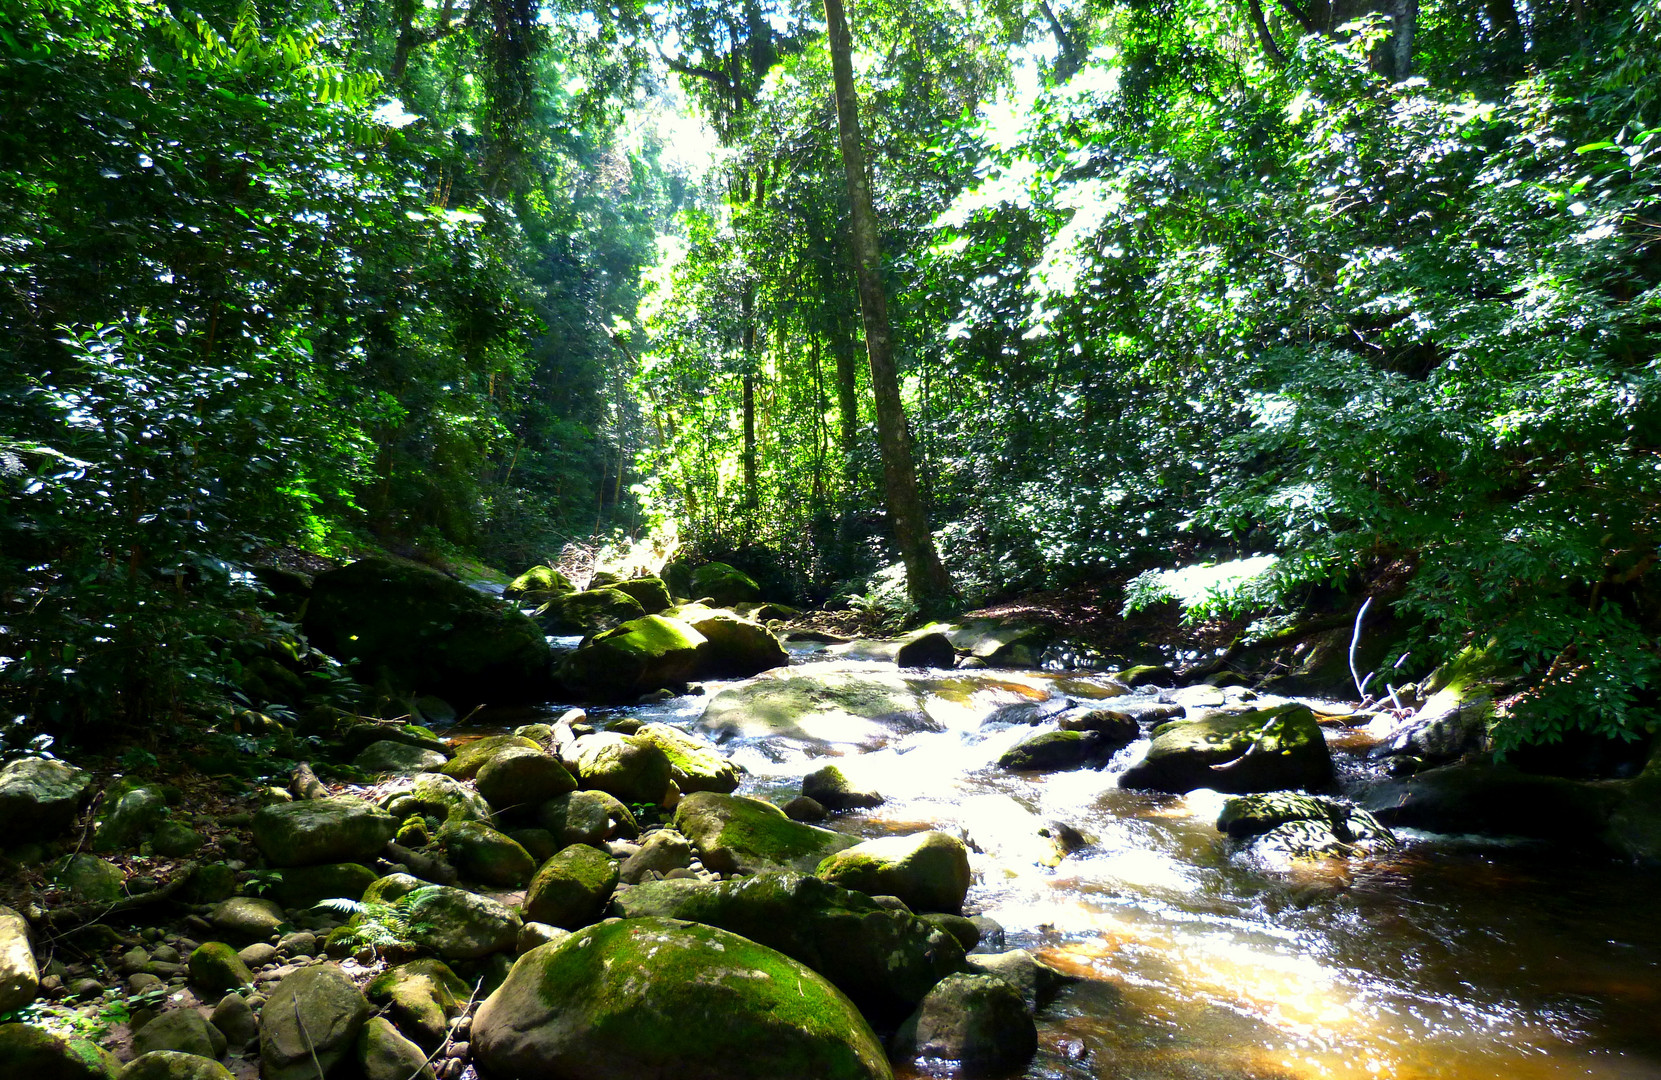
933, 650
19, 976
538, 585
421, 998
129, 811
453, 923
215, 966
257, 955
467, 758
735, 834
733, 647
174, 1065
991, 935
183, 1030
1347, 830
649, 592
725, 585
820, 706
587, 817
716, 1007
636, 657
571, 889
663, 851
1118, 728
592, 611
485, 855
247, 918
1497, 800
1049, 751
176, 840
39, 797
313, 831
520, 778
88, 877
830, 788
1201, 696
694, 763
978, 1022
384, 1054
235, 1019
928, 870
398, 759
1036, 981
441, 797
632, 769
996, 642
428, 632
1146, 675
33, 1053
802, 808
304, 886
884, 959
1263, 750
313, 1011
963, 930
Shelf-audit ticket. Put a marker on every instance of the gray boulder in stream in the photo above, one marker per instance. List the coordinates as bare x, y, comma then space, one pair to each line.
885, 960
636, 657
978, 1022
820, 705
1050, 751
1261, 750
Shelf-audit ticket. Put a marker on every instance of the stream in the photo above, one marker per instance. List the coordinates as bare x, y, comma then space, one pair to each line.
1456, 957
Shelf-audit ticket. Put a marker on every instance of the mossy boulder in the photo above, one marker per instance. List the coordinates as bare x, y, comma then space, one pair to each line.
1260, 750
636, 657
176, 840
571, 889
19, 975
441, 797
427, 632
694, 762
467, 758
311, 1020
129, 811
882, 958
927, 650
33, 1053
247, 918
678, 576
484, 855
421, 997
302, 886
979, 1023
735, 834
460, 925
174, 1065
1050, 751
520, 778
397, 758
1119, 728
725, 585
634, 770
716, 1006
820, 708
39, 797
184, 1030
384, 1054
312, 831
88, 877
215, 967
587, 817
651, 593
592, 611
928, 870
734, 647
538, 585
829, 787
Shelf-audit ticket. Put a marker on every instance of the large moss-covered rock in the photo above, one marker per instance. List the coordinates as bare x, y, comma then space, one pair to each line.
88, 877
725, 585
713, 1006
441, 797
651, 593
1455, 716
427, 632
928, 870
313, 1015
397, 758
1049, 751
820, 706
302, 886
735, 834
587, 817
129, 811
571, 889
384, 1054
632, 769
460, 925
183, 1030
174, 1065
19, 975
636, 657
537, 586
312, 831
421, 997
520, 778
882, 958
485, 855
247, 918
467, 758
592, 611
977, 1022
1261, 750
39, 797
734, 647
694, 762
33, 1053
215, 967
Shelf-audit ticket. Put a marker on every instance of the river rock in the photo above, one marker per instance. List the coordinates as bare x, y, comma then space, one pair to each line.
313, 1011
384, 1054
715, 1007
209, 883
995, 642
538, 585
19, 975
1349, 830
485, 855
398, 759
632, 769
33, 1053
174, 1065
978, 1022
1262, 750
1049, 751
931, 650
460, 925
1117, 726
1498, 800
311, 831
663, 851
183, 1030
928, 870
88, 877
651, 593
587, 817
520, 778
571, 889
634, 658
884, 959
358, 737
176, 840
421, 998
820, 707
802, 808
592, 611
428, 632
303, 886
235, 1019
829, 787
247, 918
39, 797
735, 834
441, 797
694, 762
215, 966
734, 647
724, 585
1035, 980
469, 757
1146, 675
129, 812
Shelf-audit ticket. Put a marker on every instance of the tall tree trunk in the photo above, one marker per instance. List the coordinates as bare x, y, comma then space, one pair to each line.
927, 582
847, 398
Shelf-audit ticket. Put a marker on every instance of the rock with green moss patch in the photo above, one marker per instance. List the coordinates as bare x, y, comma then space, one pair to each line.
1036, 981
712, 1006
592, 611
302, 886
571, 889
209, 883
31, 1052
427, 632
39, 797
734, 647
928, 870
129, 811
215, 967
636, 657
829, 787
538, 585
632, 769
176, 840
398, 759
1146, 675
694, 762
651, 593
485, 855
1261, 750
174, 1065
384, 1054
1051, 751
311, 1020
183, 1030
724, 584
735, 834
467, 758
88, 877
521, 779
440, 797
978, 1022
587, 817
1118, 727
421, 997
312, 831
882, 958
460, 925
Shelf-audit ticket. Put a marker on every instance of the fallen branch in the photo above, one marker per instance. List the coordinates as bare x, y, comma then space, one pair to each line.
1355, 643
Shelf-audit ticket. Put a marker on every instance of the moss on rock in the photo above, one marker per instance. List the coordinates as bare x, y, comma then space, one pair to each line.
735, 834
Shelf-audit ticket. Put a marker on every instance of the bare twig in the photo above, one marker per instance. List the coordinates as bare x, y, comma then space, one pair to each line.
1355, 643
306, 1035
449, 1036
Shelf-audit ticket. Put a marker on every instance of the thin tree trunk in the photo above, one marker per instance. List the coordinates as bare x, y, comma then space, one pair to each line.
927, 582
847, 398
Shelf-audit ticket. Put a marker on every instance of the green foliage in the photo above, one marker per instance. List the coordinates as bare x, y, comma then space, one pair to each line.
379, 925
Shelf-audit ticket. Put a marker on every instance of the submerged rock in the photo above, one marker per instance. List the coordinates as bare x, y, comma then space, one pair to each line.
656, 997
735, 834
928, 870
1263, 750
978, 1022
819, 705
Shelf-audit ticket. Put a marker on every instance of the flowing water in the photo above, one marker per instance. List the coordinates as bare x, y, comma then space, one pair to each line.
1454, 958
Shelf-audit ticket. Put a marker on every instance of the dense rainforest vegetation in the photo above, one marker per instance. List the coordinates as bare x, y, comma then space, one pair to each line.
1360, 298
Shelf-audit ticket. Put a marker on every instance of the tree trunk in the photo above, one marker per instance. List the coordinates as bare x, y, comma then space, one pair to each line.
847, 398
927, 582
